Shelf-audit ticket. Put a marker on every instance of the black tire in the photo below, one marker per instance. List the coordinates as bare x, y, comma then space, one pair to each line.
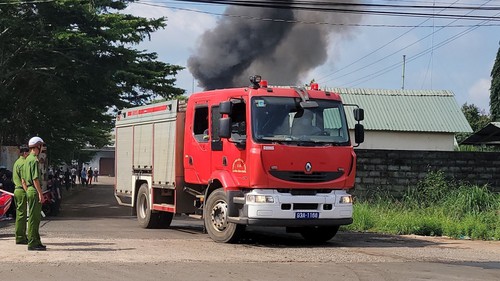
145, 217
46, 209
319, 234
215, 218
165, 219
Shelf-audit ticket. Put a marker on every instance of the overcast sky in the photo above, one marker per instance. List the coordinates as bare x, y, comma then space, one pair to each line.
455, 55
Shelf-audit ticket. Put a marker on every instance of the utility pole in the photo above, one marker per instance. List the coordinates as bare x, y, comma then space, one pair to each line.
404, 66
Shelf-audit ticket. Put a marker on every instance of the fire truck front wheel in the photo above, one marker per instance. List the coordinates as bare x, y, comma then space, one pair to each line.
145, 217
215, 217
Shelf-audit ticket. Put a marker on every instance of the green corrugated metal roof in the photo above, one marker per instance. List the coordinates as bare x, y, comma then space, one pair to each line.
406, 110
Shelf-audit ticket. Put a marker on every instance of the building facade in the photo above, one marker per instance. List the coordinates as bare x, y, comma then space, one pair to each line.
406, 119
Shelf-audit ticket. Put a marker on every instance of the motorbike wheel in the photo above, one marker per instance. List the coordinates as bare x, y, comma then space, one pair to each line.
47, 210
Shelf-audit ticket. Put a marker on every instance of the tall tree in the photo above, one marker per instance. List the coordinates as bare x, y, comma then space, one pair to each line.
495, 89
65, 64
477, 119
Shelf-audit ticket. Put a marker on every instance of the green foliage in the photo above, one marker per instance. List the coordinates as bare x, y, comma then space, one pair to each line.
477, 119
65, 65
495, 89
429, 191
365, 218
434, 207
474, 227
471, 200
476, 148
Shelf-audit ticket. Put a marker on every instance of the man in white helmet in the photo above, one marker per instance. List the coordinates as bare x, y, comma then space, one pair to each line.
31, 181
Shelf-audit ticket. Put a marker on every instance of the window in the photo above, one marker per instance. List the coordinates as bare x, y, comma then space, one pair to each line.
283, 120
200, 126
238, 121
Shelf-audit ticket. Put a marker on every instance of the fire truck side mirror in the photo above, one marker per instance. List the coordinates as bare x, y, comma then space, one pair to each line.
359, 114
359, 133
225, 127
226, 107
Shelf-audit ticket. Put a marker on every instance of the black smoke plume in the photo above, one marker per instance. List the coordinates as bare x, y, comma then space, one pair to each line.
279, 51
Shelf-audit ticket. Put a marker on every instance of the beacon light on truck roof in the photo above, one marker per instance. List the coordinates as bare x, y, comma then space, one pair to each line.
255, 80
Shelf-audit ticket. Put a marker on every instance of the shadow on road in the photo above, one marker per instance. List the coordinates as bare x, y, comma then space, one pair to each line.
85, 247
84, 203
483, 265
97, 203
82, 244
278, 238
91, 250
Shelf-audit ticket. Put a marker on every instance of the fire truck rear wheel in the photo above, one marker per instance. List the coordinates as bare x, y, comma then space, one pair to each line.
145, 217
165, 219
215, 217
319, 234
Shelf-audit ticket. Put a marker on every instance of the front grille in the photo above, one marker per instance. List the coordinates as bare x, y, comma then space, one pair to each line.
299, 176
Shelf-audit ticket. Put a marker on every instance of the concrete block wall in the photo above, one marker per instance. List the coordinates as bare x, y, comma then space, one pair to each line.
395, 171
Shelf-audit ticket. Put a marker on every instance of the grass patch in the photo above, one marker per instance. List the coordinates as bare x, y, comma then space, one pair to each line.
435, 207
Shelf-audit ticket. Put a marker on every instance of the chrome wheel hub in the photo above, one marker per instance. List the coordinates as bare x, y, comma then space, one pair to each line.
219, 216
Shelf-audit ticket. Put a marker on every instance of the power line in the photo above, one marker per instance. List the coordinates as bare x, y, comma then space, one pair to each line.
429, 65
246, 17
415, 42
383, 46
337, 7
397, 65
326, 4
30, 2
379, 72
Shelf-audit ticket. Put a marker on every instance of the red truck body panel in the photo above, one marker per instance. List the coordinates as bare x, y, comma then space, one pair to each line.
235, 157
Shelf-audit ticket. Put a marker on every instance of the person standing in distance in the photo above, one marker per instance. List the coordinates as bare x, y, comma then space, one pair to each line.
31, 181
20, 197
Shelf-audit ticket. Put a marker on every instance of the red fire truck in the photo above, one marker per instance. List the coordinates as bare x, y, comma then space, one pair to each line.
264, 156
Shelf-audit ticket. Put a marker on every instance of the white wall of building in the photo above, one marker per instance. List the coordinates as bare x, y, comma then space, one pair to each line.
407, 141
103, 158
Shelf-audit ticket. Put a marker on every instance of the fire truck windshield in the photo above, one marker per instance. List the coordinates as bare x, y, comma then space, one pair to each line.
283, 120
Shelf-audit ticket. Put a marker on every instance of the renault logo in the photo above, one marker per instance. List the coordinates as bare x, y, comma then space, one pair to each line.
308, 167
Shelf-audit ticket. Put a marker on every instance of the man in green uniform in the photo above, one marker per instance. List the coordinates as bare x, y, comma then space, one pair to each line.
31, 181
20, 197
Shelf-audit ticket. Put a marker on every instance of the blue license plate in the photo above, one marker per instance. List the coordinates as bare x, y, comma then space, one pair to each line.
306, 215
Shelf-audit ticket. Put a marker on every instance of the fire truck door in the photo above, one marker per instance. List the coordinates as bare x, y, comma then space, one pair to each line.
198, 153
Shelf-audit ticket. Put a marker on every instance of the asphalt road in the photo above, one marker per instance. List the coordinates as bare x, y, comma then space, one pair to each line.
95, 239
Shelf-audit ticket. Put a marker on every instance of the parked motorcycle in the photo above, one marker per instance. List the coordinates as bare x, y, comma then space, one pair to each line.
5, 202
52, 197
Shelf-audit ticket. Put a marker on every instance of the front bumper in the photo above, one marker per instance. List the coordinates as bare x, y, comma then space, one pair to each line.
282, 211
288, 222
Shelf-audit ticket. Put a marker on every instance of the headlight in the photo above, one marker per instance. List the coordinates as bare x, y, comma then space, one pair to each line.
259, 199
346, 199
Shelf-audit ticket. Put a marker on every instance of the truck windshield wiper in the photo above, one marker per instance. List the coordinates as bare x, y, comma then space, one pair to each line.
277, 139
311, 143
300, 141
